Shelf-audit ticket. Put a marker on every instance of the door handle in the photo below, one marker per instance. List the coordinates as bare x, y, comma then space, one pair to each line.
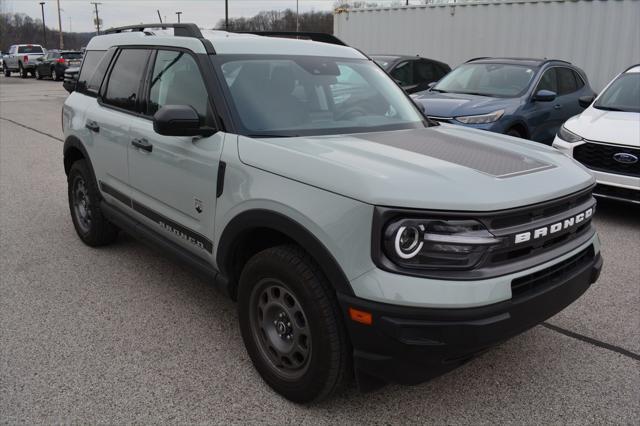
142, 144
557, 106
93, 126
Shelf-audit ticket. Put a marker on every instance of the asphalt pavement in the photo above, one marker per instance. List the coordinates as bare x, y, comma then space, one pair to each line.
123, 334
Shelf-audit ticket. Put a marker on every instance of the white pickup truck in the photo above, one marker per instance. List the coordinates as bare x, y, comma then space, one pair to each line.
22, 59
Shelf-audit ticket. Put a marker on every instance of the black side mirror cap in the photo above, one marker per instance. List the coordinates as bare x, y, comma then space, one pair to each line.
544, 96
179, 120
585, 101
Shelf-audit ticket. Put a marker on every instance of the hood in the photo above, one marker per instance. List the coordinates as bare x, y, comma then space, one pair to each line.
451, 105
616, 127
442, 167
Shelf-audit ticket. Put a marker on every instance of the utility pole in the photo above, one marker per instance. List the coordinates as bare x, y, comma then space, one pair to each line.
226, 15
44, 27
297, 16
178, 13
96, 4
60, 27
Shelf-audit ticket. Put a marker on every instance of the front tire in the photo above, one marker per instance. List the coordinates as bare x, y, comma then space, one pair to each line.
292, 326
23, 72
84, 204
54, 75
7, 72
38, 75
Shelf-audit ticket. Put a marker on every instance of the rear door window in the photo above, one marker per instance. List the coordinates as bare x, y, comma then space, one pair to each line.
403, 73
548, 81
123, 87
566, 81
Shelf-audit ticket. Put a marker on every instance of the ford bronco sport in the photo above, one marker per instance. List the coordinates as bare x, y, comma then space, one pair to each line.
358, 238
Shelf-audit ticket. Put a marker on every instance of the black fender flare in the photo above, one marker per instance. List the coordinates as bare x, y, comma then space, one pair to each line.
71, 143
260, 218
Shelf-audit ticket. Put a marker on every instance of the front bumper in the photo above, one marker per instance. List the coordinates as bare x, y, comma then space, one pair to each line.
408, 345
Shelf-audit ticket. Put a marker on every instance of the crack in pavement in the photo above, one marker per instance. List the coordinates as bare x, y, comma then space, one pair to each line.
31, 128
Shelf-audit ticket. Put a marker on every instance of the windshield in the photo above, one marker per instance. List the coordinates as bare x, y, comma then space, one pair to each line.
307, 95
29, 49
495, 80
622, 95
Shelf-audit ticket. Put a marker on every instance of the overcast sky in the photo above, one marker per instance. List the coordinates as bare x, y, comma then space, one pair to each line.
79, 14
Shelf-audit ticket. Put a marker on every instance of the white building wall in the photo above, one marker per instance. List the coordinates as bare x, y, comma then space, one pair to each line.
601, 37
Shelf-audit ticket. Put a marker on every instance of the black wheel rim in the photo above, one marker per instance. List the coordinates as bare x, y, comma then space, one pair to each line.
81, 204
280, 328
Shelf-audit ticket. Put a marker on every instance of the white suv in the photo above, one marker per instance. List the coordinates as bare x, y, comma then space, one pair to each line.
606, 138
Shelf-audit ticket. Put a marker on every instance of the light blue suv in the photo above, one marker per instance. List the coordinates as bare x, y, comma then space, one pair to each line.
359, 239
526, 98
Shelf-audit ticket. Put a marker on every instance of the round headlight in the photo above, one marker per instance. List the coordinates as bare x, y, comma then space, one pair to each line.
408, 241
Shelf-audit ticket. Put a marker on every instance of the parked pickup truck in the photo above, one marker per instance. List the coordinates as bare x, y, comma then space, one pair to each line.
22, 59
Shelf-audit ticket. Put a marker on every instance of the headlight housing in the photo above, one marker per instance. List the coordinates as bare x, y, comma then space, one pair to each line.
436, 243
568, 136
481, 119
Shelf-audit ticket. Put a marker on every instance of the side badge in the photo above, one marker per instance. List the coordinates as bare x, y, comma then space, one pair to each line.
198, 205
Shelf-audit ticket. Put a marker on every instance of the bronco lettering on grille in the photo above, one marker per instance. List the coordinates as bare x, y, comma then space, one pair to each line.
554, 228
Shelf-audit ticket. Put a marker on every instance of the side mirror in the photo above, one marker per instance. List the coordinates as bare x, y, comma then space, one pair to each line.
179, 120
432, 84
40, 59
420, 106
585, 101
544, 96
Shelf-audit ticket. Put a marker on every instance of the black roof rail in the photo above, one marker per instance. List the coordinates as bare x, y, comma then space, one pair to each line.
320, 37
179, 30
475, 59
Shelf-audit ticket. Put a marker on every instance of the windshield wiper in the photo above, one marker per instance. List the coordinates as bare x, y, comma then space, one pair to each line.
270, 135
607, 108
437, 90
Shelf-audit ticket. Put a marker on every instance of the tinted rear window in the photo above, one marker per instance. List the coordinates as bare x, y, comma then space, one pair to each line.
91, 60
72, 55
125, 78
30, 49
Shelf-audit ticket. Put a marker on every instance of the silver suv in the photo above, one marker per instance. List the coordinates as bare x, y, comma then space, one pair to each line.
358, 238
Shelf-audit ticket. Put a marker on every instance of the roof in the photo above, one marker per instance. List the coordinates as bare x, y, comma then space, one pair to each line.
223, 43
530, 62
633, 69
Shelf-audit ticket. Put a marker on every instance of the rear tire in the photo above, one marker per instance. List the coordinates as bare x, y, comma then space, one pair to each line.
54, 75
84, 204
38, 75
292, 326
7, 72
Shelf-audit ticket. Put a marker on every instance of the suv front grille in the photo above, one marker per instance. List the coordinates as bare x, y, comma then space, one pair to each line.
551, 276
533, 217
599, 157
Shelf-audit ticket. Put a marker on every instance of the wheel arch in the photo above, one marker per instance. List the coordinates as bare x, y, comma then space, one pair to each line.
520, 126
74, 150
255, 230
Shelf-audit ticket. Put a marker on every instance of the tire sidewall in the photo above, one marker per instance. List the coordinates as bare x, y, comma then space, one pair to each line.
312, 383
